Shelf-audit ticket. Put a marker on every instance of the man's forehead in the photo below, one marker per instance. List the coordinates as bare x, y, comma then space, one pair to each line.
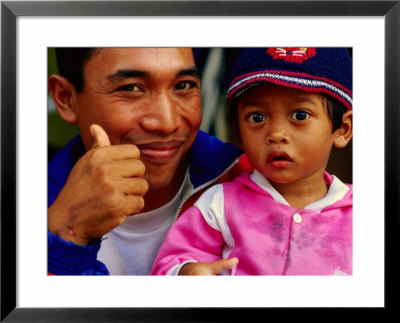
145, 56
121, 63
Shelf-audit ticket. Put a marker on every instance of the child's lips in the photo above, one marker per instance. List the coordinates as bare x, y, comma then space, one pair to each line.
279, 159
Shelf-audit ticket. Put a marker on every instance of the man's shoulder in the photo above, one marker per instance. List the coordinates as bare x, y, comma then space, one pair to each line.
72, 151
60, 166
210, 157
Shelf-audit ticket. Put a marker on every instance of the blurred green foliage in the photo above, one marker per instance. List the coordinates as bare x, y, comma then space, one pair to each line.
51, 62
59, 131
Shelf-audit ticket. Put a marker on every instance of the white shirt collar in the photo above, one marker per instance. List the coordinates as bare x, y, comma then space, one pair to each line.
154, 219
337, 190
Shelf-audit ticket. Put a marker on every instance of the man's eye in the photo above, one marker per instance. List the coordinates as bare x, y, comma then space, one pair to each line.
130, 88
185, 85
300, 115
256, 117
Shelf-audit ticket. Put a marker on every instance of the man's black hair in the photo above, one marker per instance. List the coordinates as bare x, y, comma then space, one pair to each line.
70, 62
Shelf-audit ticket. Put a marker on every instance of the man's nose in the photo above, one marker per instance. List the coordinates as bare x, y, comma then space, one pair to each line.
162, 114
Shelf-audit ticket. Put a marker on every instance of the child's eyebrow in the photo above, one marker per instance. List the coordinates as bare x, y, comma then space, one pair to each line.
249, 105
253, 102
306, 98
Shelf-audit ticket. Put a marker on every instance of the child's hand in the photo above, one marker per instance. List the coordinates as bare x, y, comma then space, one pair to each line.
205, 268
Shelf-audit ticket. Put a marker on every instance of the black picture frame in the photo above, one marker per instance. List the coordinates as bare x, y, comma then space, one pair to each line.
10, 10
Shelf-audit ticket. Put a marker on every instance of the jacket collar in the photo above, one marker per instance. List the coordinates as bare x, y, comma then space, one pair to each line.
339, 194
209, 157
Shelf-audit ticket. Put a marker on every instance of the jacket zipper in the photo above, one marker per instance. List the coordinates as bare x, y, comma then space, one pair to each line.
201, 187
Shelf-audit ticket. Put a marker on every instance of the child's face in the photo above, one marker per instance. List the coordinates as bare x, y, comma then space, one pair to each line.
286, 134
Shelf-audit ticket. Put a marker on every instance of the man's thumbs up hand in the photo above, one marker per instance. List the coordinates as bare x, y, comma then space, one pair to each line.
104, 187
100, 137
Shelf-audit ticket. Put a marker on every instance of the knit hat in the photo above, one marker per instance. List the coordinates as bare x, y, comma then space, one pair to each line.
326, 70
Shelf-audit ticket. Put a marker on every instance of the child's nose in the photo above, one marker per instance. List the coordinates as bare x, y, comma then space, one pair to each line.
277, 134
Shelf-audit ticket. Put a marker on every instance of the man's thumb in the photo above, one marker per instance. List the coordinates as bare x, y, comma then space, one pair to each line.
100, 137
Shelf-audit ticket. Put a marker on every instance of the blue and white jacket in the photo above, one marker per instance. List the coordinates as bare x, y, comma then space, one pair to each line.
212, 161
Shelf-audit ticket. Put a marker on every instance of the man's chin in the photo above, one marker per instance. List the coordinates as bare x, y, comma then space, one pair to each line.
160, 176
158, 182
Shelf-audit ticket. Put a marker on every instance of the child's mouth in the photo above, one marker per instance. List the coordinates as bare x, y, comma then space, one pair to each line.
279, 159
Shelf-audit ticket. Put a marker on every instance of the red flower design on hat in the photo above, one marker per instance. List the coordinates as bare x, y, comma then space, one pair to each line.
292, 54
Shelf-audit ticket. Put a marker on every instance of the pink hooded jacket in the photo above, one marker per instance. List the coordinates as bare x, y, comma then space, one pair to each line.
250, 220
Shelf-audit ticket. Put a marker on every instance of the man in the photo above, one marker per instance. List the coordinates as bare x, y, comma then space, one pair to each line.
115, 190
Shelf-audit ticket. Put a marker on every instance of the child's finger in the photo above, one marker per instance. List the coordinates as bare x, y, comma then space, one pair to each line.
223, 264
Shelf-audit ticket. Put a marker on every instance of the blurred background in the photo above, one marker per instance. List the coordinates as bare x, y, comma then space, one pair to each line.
214, 64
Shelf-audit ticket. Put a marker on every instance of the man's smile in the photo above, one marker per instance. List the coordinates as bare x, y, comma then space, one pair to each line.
159, 150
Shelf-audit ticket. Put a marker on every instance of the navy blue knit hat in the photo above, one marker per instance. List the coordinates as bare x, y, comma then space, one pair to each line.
326, 70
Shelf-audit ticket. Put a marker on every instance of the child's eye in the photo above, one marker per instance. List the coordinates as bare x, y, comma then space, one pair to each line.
300, 115
130, 88
256, 117
185, 85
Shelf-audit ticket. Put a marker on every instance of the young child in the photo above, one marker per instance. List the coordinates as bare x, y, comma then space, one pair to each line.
289, 216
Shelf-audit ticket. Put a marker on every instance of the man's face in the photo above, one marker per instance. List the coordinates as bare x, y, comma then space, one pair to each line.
148, 97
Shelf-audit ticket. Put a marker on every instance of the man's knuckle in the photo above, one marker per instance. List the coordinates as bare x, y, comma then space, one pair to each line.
135, 151
138, 203
104, 170
142, 185
140, 168
112, 201
130, 151
97, 153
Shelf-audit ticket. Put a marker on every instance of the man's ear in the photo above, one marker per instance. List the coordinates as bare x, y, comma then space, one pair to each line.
62, 91
343, 134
